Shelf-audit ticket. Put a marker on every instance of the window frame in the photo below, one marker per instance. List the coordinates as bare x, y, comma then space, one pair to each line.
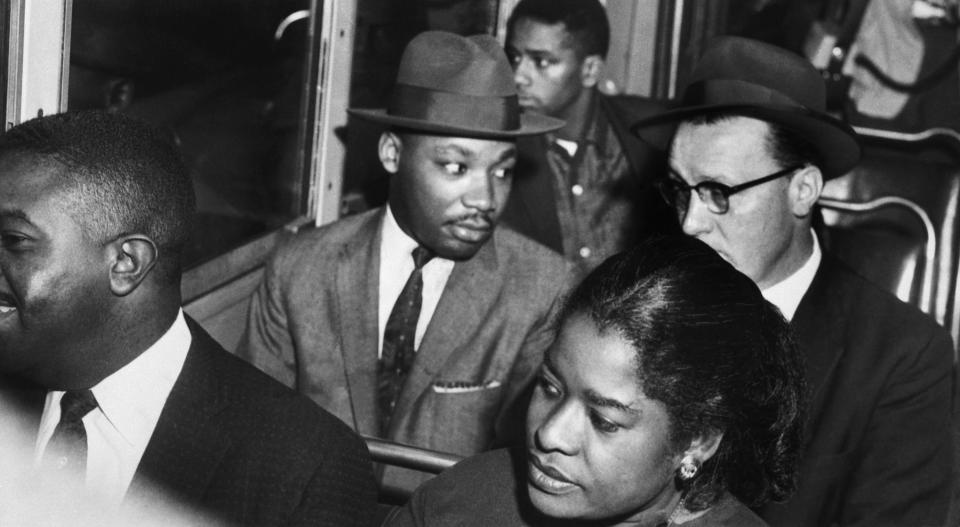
37, 55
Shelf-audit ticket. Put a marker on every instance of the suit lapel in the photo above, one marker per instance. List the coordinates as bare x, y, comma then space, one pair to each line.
472, 288
357, 286
817, 327
187, 444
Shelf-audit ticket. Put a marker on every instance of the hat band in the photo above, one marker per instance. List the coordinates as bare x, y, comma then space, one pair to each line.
456, 109
722, 91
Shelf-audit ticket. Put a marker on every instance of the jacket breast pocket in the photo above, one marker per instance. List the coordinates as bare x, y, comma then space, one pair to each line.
466, 413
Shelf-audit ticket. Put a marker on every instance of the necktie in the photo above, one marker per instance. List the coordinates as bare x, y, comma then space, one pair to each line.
398, 340
67, 449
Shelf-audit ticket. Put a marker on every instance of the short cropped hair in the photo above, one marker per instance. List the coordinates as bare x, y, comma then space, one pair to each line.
715, 353
123, 175
585, 20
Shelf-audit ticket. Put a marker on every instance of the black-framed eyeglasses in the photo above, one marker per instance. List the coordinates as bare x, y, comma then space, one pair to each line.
715, 195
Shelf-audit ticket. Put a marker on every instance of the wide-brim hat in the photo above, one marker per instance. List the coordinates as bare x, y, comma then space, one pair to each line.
754, 79
454, 85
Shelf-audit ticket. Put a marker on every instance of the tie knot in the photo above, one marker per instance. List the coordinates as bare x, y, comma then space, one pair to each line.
76, 404
421, 255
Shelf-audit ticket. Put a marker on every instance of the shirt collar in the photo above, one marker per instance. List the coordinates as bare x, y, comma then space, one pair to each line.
132, 397
787, 293
393, 240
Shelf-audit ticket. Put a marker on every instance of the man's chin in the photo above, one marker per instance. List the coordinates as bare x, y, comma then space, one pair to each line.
459, 250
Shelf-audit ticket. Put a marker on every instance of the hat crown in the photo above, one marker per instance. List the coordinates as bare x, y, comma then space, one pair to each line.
455, 85
757, 80
447, 62
789, 76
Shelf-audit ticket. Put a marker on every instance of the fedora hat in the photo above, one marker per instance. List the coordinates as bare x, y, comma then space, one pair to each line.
754, 79
453, 85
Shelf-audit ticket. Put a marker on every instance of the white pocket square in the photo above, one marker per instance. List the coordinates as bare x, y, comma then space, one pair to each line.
463, 387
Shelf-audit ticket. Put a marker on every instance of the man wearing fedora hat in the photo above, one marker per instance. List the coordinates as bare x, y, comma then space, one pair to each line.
422, 321
749, 149
586, 190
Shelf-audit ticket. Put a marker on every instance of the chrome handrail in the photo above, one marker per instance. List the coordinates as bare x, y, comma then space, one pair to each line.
295, 16
930, 250
406, 456
909, 137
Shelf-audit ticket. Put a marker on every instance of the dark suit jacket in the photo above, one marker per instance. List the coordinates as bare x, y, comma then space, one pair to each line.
532, 210
238, 448
879, 445
313, 325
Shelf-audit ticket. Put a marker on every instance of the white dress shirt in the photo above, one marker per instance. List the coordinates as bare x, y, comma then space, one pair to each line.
129, 402
787, 293
396, 264
569, 146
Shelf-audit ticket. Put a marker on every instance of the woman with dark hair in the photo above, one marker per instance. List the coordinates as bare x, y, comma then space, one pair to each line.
673, 395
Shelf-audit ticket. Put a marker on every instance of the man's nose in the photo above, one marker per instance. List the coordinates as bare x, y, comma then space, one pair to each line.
521, 72
482, 195
697, 217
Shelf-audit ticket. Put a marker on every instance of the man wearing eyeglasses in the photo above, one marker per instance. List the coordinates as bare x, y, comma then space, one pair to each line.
749, 149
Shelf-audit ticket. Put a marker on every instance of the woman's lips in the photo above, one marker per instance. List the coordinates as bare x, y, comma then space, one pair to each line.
548, 479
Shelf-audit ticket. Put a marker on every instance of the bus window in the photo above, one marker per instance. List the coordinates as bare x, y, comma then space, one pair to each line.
383, 28
898, 66
224, 82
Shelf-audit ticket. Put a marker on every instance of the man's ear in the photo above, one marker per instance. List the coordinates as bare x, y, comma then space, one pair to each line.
805, 188
390, 149
131, 259
590, 70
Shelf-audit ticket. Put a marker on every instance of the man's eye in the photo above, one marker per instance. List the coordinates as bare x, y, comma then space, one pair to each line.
543, 63
717, 192
11, 240
455, 169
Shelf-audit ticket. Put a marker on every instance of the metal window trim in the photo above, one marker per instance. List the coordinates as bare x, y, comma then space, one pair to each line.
38, 58
337, 22
14, 70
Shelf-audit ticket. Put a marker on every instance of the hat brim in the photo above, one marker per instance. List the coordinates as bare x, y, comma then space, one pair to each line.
530, 124
837, 143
